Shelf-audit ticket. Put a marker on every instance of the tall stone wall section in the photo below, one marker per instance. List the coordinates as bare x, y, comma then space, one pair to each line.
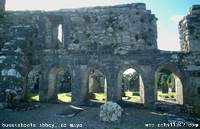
189, 29
13, 56
2, 5
125, 27
2, 21
31, 35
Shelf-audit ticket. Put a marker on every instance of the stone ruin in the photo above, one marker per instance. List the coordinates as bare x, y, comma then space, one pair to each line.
40, 45
110, 112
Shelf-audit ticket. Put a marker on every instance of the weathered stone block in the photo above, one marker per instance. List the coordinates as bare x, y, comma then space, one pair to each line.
110, 112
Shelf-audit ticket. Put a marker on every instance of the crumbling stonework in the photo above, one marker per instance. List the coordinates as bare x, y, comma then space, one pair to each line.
109, 39
110, 112
190, 30
190, 39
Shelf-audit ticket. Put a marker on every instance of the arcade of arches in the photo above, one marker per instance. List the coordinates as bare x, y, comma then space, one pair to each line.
97, 85
83, 55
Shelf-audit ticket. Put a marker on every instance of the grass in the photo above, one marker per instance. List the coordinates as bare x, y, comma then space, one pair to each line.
166, 95
132, 97
34, 96
100, 96
65, 97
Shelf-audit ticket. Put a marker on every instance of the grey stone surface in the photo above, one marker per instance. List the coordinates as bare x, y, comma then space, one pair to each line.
110, 39
110, 112
189, 30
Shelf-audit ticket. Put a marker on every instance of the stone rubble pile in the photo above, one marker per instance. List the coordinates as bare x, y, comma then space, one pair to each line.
110, 112
14, 102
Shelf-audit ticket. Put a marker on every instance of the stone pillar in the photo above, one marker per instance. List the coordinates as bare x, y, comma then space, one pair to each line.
79, 85
52, 86
179, 90
43, 87
113, 90
173, 84
91, 84
141, 89
2, 5
190, 86
148, 79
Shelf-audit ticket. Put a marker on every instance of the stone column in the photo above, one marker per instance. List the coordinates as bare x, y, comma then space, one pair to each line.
148, 79
113, 91
79, 85
179, 90
43, 87
189, 86
52, 85
2, 5
90, 83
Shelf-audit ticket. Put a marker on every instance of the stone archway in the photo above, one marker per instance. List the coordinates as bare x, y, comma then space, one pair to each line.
176, 95
96, 83
58, 82
140, 82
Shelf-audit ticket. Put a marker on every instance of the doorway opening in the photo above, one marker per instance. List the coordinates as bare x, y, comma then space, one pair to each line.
97, 86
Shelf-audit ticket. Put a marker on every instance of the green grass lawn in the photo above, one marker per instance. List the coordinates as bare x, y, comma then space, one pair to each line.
100, 96
166, 95
65, 97
34, 96
132, 97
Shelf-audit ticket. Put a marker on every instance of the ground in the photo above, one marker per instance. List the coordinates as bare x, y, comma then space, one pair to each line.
134, 117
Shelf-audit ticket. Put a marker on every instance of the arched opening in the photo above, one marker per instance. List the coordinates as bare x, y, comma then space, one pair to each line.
59, 86
131, 85
60, 35
169, 87
97, 86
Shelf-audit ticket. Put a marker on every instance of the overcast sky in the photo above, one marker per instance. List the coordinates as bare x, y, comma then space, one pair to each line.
168, 12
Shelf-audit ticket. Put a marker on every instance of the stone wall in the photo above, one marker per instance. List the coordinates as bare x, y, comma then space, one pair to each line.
129, 27
108, 39
116, 29
2, 5
189, 29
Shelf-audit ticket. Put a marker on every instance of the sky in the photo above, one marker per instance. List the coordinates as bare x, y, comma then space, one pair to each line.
168, 12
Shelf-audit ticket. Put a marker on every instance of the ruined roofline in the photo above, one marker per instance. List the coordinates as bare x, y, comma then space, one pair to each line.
138, 6
189, 30
141, 6
193, 9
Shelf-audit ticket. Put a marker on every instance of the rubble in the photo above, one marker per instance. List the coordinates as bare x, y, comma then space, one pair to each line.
110, 112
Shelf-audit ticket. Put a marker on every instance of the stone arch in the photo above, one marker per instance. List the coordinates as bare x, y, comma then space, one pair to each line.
178, 76
122, 69
101, 69
52, 76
